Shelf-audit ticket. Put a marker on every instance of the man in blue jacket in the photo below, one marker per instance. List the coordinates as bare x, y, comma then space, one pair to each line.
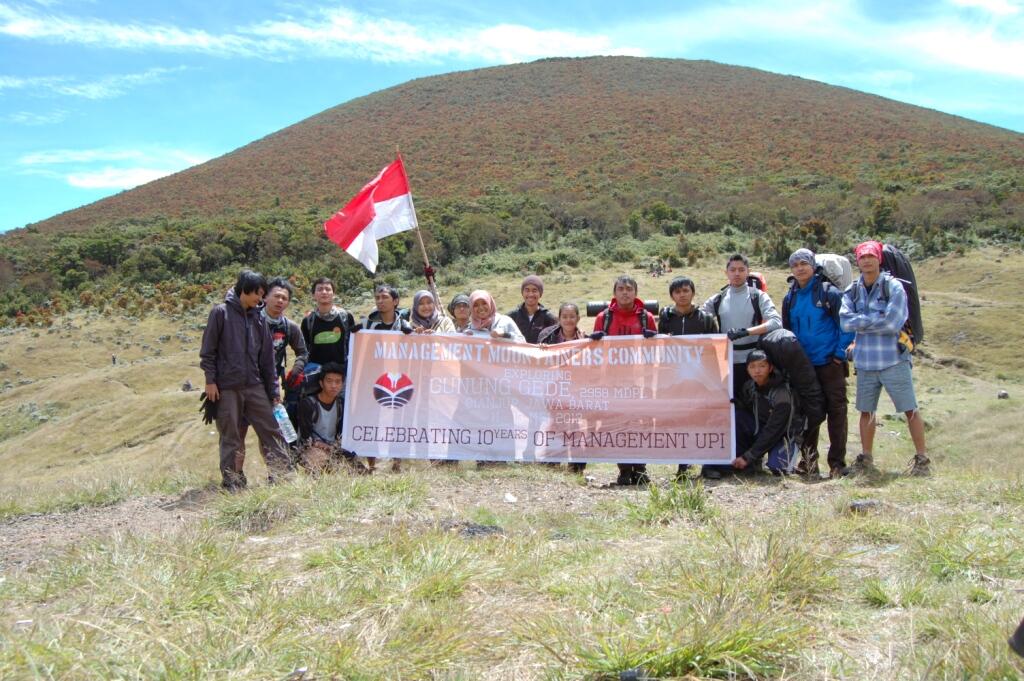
811, 311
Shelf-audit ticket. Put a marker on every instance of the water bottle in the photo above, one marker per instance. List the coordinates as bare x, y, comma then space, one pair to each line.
285, 423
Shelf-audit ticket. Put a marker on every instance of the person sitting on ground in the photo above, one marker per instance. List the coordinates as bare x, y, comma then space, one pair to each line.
626, 316
320, 424
459, 310
768, 420
531, 317
387, 316
567, 329
875, 307
684, 319
486, 321
426, 318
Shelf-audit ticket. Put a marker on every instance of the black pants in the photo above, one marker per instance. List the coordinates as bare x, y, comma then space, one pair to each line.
832, 378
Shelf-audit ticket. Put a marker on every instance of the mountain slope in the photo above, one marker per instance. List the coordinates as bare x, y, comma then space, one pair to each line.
697, 132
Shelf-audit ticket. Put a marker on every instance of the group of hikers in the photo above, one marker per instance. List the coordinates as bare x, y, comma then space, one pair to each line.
789, 375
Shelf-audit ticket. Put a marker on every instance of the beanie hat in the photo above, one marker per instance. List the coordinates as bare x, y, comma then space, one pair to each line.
802, 255
532, 279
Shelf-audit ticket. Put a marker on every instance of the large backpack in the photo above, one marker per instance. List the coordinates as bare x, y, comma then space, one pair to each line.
786, 354
896, 263
907, 339
835, 268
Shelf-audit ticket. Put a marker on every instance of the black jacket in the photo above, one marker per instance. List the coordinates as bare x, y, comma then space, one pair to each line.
776, 411
542, 319
675, 324
309, 414
787, 355
237, 349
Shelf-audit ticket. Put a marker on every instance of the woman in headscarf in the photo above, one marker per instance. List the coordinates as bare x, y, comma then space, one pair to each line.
485, 320
459, 310
426, 318
566, 329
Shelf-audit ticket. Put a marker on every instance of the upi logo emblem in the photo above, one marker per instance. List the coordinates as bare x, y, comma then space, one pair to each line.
393, 390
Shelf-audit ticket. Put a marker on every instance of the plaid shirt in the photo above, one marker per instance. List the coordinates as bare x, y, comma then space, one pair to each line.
876, 321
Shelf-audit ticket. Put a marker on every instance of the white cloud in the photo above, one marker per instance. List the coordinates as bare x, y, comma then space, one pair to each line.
33, 118
109, 168
106, 87
331, 32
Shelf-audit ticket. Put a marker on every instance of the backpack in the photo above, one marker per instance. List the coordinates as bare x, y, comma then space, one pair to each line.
787, 355
907, 340
835, 268
896, 263
758, 281
642, 313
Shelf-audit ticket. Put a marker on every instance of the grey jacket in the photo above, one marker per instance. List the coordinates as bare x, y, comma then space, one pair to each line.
237, 349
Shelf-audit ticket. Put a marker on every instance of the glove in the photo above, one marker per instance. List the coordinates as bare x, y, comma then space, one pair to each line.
208, 409
736, 334
597, 335
650, 333
294, 380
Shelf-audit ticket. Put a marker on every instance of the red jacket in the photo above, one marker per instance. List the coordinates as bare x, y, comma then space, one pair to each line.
625, 324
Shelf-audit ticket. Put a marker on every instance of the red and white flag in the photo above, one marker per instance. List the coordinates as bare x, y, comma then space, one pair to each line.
382, 208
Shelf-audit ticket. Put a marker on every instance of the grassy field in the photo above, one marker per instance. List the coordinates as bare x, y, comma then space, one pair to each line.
435, 574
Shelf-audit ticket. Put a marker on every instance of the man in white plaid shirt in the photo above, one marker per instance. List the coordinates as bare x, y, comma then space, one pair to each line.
875, 307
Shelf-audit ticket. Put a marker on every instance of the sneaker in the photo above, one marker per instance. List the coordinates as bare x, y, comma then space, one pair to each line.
864, 463
920, 466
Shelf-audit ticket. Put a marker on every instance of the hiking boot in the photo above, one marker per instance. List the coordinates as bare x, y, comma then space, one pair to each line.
863, 464
396, 465
836, 472
641, 478
920, 466
710, 473
577, 467
681, 472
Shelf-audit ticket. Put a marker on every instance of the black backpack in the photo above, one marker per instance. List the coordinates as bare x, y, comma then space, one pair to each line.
896, 263
787, 355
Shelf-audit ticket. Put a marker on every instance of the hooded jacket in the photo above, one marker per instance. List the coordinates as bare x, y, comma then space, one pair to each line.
531, 328
776, 412
237, 349
625, 323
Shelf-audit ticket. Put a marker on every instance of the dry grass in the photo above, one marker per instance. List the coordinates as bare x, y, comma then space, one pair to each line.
432, 574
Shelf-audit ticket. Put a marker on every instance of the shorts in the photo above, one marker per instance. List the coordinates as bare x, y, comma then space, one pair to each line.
897, 381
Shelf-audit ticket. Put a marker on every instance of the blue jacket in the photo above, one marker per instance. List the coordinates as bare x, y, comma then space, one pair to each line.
812, 314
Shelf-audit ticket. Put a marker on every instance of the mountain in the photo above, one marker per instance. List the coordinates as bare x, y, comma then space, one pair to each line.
693, 133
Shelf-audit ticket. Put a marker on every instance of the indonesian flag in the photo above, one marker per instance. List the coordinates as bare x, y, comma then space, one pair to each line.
382, 208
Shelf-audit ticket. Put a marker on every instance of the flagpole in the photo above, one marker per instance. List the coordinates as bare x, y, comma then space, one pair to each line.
428, 271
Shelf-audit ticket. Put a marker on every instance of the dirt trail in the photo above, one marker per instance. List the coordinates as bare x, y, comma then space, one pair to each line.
28, 539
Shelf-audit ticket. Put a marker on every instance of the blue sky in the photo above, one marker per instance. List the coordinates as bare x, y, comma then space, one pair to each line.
99, 96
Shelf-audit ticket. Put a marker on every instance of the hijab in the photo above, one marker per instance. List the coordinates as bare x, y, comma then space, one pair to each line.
414, 315
481, 323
